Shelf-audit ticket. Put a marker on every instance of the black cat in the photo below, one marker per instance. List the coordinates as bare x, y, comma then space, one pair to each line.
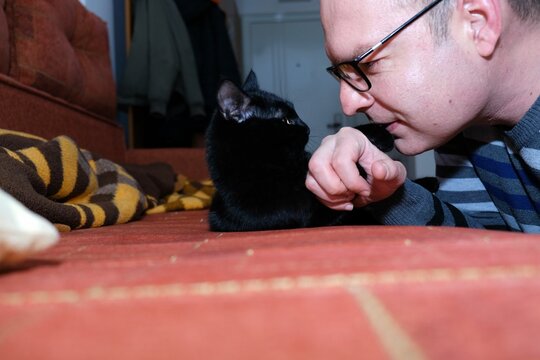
256, 155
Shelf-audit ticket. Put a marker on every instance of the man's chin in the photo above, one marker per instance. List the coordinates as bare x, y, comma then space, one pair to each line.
408, 148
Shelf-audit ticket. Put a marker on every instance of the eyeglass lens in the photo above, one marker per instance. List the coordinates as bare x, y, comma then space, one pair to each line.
351, 74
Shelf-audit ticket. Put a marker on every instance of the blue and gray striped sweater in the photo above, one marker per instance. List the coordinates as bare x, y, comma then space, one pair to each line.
489, 178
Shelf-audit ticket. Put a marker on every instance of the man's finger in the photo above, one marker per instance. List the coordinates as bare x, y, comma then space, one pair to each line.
349, 148
336, 202
389, 170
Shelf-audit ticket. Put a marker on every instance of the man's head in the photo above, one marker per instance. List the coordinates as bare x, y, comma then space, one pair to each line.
438, 75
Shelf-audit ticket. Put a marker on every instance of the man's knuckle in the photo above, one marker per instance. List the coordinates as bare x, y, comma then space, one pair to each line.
341, 162
315, 166
334, 190
310, 183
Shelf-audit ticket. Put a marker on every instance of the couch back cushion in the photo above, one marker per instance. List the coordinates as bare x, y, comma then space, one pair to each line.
4, 42
61, 48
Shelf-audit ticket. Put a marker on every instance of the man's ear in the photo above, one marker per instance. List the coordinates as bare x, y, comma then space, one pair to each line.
484, 21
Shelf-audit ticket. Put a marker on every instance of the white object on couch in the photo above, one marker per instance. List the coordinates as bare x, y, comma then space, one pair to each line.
22, 232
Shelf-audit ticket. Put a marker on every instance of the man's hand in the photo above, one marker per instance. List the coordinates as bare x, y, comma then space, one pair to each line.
334, 178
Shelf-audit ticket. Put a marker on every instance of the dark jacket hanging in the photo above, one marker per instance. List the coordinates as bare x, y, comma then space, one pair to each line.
161, 60
206, 24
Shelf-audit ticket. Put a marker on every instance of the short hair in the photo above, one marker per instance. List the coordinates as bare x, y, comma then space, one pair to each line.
439, 16
526, 10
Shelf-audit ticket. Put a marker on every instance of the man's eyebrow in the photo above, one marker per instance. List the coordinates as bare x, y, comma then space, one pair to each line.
357, 51
360, 50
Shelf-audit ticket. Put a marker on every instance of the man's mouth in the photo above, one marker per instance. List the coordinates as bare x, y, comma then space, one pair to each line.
386, 125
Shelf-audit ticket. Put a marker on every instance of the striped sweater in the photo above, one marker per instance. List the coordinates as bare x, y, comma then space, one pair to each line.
489, 178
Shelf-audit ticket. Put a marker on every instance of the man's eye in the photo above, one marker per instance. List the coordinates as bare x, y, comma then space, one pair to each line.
369, 66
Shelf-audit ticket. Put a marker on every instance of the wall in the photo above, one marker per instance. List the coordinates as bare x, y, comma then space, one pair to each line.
105, 10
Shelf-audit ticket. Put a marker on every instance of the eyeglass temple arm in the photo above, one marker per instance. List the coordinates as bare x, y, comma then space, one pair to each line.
400, 28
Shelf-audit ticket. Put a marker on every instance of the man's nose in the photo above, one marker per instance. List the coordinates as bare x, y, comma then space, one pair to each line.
353, 101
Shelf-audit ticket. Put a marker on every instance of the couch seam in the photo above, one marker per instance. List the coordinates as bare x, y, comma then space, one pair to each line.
254, 286
395, 341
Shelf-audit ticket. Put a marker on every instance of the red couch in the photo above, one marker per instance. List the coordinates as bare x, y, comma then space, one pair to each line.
165, 287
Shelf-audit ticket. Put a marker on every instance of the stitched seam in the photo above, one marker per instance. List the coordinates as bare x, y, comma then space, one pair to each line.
394, 339
235, 287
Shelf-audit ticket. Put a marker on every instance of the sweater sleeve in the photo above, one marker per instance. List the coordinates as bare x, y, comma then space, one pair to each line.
461, 199
414, 205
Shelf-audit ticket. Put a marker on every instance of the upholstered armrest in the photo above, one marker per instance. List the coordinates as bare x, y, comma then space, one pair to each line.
4, 40
36, 112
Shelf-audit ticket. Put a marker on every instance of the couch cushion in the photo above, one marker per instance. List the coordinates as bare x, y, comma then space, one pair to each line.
59, 47
169, 286
4, 44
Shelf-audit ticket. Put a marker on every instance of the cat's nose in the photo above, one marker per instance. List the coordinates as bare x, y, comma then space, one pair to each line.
304, 125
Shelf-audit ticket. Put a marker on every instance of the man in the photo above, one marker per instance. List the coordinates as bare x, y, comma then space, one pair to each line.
461, 77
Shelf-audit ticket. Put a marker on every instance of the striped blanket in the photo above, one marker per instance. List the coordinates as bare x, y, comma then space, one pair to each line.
74, 188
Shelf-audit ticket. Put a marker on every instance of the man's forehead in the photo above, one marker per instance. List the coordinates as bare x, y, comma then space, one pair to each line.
344, 45
352, 27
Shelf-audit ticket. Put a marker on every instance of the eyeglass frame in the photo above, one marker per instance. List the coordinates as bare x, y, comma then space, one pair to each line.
334, 69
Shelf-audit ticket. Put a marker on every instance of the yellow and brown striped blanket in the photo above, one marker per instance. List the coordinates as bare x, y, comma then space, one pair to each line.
74, 188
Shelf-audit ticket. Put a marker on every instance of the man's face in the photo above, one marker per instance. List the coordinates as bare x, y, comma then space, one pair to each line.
425, 92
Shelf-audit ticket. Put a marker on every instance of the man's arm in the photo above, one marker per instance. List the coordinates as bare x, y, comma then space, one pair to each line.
414, 205
461, 199
334, 179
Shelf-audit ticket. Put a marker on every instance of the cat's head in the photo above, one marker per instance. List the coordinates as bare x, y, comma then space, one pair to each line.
258, 113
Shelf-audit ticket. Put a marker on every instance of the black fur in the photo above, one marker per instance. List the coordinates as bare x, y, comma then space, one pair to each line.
256, 156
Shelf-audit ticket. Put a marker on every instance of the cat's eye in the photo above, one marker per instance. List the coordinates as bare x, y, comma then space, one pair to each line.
287, 121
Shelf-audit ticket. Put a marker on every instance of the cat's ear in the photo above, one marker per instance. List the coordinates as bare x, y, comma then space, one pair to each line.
232, 101
251, 82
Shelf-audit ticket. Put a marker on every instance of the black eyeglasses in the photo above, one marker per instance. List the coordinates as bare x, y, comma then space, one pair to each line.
351, 71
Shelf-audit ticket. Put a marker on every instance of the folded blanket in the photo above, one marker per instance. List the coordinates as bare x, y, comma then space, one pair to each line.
187, 195
167, 191
74, 188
